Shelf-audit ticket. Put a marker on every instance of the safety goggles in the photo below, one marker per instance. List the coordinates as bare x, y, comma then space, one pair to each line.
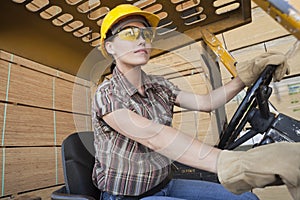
132, 33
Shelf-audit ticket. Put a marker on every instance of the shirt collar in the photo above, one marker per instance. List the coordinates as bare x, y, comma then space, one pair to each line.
128, 87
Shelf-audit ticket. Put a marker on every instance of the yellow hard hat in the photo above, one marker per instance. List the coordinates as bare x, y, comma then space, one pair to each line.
120, 12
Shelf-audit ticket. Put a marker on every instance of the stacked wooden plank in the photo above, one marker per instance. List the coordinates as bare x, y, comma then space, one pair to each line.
39, 107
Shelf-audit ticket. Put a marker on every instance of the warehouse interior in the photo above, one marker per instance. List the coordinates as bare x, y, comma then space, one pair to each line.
50, 65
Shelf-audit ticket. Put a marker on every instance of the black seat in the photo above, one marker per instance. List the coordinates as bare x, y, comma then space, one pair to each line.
78, 161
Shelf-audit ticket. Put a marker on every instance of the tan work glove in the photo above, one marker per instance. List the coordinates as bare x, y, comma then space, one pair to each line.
241, 171
249, 71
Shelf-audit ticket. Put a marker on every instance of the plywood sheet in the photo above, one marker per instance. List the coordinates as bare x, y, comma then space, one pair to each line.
74, 79
4, 66
194, 83
249, 53
71, 97
59, 168
262, 28
2, 155
295, 4
29, 168
174, 61
2, 114
30, 87
207, 131
28, 126
27, 63
230, 108
209, 139
196, 124
189, 116
67, 123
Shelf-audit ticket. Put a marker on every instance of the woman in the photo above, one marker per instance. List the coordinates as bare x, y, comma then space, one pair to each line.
134, 141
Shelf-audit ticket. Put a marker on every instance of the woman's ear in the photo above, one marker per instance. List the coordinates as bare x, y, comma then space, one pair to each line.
109, 48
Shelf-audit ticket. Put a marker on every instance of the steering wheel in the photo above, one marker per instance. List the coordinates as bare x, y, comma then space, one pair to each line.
256, 96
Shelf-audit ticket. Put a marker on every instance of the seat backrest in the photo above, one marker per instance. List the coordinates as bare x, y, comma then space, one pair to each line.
78, 161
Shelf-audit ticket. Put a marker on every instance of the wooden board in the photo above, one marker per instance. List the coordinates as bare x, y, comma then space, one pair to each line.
2, 114
71, 97
29, 168
59, 168
30, 87
196, 124
68, 123
231, 107
4, 66
27, 63
196, 83
28, 126
2, 156
262, 28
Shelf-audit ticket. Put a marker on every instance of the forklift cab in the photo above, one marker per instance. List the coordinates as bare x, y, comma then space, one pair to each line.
64, 35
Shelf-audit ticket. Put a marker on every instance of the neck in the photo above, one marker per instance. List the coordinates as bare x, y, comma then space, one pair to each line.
134, 76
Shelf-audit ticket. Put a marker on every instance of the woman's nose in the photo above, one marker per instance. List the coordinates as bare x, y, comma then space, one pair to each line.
141, 39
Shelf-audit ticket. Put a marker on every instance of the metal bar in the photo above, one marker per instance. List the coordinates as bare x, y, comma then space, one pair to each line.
215, 78
223, 55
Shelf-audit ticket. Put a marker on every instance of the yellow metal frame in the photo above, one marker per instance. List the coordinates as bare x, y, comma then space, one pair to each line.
217, 47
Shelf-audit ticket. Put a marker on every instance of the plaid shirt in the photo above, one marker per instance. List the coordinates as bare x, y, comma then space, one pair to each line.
124, 166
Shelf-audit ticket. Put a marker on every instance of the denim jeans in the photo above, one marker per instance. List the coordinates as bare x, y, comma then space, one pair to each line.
179, 189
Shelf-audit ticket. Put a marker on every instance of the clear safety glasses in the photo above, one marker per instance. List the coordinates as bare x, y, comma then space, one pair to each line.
132, 33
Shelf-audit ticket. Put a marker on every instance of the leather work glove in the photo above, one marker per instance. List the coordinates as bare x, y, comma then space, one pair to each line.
241, 171
249, 71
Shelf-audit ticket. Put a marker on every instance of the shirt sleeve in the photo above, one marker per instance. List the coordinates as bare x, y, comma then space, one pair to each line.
174, 90
106, 101
166, 87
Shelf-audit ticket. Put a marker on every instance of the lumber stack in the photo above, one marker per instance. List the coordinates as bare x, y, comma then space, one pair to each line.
39, 107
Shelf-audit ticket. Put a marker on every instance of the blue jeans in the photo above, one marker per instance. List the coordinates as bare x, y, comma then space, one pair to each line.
181, 189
